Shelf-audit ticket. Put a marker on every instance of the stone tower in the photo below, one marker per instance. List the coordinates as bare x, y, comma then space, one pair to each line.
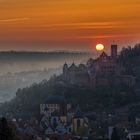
114, 51
65, 71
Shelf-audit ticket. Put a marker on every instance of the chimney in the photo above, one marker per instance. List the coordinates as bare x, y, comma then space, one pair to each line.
114, 51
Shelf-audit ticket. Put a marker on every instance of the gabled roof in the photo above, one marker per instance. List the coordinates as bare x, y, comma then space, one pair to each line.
73, 67
103, 54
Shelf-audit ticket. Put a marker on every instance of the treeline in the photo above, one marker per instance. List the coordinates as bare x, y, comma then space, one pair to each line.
28, 99
130, 54
15, 55
43, 52
130, 59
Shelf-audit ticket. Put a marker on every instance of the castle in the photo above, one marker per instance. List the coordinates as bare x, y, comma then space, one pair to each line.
103, 71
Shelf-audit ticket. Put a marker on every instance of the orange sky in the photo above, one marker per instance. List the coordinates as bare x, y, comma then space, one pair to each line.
63, 24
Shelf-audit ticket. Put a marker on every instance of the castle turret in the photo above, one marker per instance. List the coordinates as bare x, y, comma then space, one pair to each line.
65, 71
114, 51
65, 67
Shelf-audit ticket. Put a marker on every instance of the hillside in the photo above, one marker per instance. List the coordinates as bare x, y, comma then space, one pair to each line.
101, 98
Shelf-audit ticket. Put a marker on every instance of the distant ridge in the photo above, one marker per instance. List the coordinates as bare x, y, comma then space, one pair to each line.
9, 56
47, 52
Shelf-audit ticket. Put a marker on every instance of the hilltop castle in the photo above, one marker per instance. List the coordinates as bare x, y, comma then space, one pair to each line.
103, 71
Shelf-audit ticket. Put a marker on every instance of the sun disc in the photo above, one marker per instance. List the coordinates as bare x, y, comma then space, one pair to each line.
99, 47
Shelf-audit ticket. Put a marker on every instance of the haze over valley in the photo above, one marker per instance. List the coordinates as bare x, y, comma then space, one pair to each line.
22, 69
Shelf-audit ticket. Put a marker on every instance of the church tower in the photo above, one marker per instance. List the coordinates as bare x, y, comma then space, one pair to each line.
79, 121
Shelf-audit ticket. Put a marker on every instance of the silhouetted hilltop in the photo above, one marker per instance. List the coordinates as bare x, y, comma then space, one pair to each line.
101, 98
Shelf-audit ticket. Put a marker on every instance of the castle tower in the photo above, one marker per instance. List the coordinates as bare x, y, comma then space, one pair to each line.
65, 71
114, 51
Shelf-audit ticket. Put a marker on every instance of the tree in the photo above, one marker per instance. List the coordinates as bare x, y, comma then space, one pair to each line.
15, 132
5, 133
115, 135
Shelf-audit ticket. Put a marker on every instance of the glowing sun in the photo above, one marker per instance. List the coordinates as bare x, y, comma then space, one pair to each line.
99, 47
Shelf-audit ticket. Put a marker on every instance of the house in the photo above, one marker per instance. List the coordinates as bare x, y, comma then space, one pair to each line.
55, 104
